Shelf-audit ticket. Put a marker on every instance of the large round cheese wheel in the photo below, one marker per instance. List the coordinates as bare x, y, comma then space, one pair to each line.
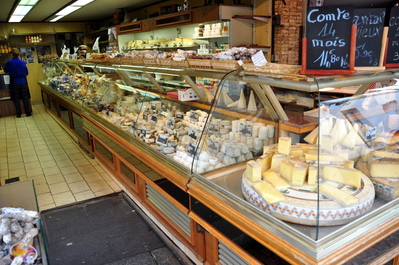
301, 203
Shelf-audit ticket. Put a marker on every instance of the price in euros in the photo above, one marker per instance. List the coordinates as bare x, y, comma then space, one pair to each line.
328, 58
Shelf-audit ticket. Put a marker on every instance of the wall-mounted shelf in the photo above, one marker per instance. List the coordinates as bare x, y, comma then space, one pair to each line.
161, 47
211, 37
252, 18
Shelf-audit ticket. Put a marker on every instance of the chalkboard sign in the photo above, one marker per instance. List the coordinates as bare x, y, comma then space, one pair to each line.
392, 56
369, 32
328, 37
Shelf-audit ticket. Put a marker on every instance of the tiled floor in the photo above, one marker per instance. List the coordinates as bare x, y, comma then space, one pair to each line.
37, 148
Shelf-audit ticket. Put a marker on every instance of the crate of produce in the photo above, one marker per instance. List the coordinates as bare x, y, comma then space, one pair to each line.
200, 63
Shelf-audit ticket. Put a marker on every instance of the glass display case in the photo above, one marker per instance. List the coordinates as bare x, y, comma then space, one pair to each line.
332, 186
319, 190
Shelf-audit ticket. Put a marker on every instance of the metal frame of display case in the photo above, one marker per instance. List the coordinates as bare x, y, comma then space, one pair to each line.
286, 240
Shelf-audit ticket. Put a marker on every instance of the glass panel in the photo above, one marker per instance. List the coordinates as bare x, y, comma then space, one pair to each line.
77, 121
54, 106
129, 28
104, 151
45, 99
126, 171
64, 114
173, 20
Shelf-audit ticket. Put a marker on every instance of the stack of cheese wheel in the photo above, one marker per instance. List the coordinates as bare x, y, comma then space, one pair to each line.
296, 183
383, 168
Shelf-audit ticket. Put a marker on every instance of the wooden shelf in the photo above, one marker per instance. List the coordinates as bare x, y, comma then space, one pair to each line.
252, 18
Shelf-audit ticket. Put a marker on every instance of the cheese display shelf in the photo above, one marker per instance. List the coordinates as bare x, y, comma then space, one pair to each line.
219, 146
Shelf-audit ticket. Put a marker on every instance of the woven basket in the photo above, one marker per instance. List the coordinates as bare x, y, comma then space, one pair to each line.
273, 68
227, 65
183, 64
115, 60
165, 61
150, 61
137, 61
200, 63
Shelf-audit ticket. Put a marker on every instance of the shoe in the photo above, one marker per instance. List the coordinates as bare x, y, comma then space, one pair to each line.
18, 116
28, 114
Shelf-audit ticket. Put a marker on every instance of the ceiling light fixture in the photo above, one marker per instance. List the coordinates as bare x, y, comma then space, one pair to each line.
23, 8
69, 9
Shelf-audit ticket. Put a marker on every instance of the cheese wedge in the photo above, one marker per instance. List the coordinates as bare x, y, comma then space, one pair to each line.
337, 195
324, 158
327, 143
286, 169
265, 161
253, 172
277, 181
268, 192
276, 161
311, 138
312, 175
299, 173
344, 175
382, 154
284, 145
384, 169
296, 152
294, 171
349, 163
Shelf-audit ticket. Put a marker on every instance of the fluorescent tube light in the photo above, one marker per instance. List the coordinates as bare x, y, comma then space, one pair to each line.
22, 10
67, 10
15, 18
28, 2
82, 2
56, 18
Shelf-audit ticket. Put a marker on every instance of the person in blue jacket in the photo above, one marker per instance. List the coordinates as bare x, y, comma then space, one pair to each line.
17, 70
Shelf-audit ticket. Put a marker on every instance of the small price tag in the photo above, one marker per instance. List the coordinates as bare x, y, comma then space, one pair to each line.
240, 62
193, 135
371, 133
245, 129
213, 145
259, 59
154, 118
162, 139
179, 115
191, 149
193, 116
171, 123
